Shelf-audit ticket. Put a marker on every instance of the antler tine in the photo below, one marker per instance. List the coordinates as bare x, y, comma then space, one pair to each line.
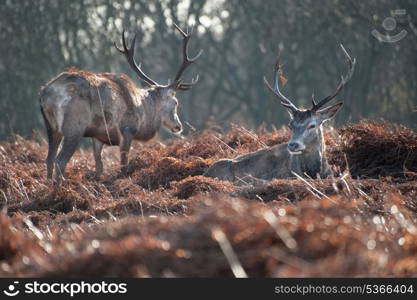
129, 53
186, 61
313, 100
343, 81
284, 100
123, 39
187, 86
180, 30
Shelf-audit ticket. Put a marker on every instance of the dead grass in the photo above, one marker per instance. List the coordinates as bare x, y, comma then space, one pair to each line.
165, 219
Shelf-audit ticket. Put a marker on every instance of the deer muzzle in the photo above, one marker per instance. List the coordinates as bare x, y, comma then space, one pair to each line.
296, 148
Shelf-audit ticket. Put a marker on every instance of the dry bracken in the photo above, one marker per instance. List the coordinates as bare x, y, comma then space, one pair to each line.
165, 219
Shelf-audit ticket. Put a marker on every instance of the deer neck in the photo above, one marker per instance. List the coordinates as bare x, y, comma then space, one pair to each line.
310, 162
150, 119
321, 146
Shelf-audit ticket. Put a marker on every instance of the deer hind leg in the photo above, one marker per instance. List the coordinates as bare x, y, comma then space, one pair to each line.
76, 117
69, 146
72, 137
98, 147
54, 140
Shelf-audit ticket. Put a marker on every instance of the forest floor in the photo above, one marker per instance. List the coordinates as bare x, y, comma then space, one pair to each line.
165, 220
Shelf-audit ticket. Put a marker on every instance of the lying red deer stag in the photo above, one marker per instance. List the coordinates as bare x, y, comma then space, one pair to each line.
304, 155
109, 108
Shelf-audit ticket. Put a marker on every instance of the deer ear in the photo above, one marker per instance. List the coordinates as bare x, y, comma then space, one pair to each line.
329, 112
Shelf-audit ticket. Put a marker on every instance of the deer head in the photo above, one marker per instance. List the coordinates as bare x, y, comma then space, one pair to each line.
306, 124
167, 102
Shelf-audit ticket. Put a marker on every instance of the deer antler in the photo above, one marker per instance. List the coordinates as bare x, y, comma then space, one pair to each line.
278, 72
129, 53
177, 83
343, 81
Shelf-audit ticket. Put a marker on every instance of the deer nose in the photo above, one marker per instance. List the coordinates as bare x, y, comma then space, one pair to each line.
294, 147
177, 128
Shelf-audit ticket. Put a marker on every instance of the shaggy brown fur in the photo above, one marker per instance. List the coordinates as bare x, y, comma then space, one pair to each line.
106, 107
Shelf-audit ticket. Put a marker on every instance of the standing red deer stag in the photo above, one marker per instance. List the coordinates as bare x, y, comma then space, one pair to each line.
109, 108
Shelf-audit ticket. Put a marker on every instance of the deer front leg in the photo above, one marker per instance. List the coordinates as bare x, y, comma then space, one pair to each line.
98, 147
250, 180
124, 151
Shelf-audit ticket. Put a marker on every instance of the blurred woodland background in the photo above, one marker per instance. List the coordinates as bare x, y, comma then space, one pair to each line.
41, 38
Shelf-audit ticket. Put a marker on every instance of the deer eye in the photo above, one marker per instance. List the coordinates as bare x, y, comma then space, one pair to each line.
311, 126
